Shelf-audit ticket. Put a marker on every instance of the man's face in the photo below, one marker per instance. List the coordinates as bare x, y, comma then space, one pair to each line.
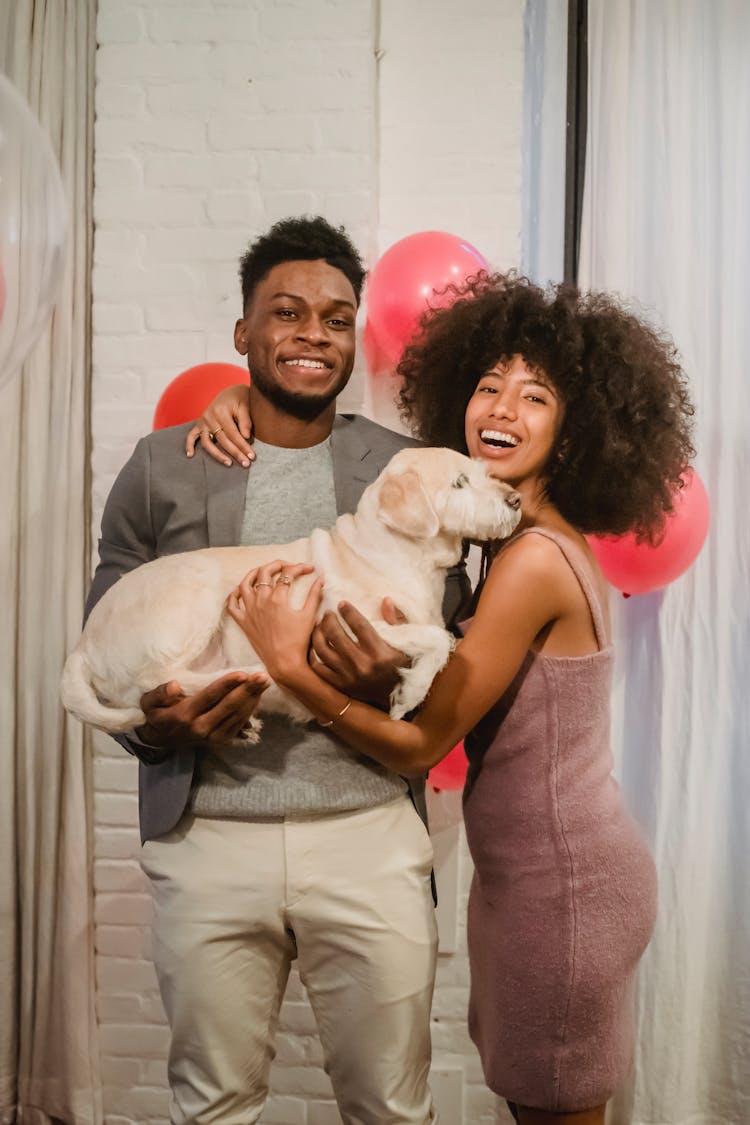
298, 336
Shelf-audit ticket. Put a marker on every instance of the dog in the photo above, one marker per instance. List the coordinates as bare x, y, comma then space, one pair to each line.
167, 620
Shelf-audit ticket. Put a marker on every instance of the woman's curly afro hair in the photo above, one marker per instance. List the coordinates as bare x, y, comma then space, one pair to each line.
625, 439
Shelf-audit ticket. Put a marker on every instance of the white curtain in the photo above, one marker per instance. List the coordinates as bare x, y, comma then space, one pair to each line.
544, 139
667, 222
48, 1048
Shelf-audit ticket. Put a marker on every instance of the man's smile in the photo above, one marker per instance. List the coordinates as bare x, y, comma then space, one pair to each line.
302, 361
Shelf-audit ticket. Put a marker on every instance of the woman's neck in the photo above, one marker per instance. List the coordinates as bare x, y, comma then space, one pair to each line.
537, 510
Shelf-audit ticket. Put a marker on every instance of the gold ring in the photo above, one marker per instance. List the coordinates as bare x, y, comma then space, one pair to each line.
212, 435
285, 580
257, 584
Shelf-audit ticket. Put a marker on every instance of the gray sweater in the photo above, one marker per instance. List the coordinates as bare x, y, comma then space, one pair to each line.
296, 768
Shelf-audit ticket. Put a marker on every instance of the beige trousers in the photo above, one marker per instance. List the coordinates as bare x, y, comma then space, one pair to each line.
348, 896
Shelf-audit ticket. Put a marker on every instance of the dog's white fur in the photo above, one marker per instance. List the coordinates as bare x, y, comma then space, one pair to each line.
167, 619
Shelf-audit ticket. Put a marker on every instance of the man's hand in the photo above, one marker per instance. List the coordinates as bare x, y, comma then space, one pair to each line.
216, 715
366, 667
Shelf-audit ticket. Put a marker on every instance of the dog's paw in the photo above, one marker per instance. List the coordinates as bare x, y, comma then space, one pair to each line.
251, 730
416, 680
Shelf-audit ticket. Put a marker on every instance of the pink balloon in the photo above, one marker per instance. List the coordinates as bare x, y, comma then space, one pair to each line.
451, 772
637, 568
376, 360
407, 279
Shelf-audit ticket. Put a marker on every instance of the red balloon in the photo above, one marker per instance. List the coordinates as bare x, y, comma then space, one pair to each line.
188, 395
638, 568
409, 278
451, 772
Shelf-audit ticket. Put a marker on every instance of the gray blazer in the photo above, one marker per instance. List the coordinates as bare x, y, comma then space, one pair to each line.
162, 503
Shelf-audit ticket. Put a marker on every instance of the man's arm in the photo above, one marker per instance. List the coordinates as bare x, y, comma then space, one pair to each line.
126, 541
219, 712
127, 538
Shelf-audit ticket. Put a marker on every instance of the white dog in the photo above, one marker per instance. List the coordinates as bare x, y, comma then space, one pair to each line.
167, 619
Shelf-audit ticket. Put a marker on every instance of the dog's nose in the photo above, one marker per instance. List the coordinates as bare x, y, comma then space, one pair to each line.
513, 500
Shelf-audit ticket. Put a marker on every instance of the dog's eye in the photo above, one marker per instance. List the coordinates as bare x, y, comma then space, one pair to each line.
460, 480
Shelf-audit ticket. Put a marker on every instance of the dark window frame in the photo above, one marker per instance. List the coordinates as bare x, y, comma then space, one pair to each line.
575, 133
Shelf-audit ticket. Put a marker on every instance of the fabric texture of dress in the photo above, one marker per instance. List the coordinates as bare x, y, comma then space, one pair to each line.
563, 898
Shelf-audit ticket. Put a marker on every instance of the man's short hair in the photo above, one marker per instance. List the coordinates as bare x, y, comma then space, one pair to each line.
305, 239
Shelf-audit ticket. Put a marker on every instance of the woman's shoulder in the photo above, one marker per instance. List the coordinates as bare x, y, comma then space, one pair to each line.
528, 575
540, 547
541, 563
559, 564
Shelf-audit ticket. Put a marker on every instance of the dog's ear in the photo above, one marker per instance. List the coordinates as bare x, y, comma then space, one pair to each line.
404, 505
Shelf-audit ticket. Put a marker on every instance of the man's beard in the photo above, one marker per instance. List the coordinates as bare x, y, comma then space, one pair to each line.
304, 407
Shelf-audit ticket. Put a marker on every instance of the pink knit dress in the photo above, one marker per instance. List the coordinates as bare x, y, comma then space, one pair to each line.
563, 899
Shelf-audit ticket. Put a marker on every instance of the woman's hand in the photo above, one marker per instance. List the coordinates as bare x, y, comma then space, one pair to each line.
279, 634
225, 428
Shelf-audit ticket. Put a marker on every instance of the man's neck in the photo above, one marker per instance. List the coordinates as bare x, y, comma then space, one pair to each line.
274, 427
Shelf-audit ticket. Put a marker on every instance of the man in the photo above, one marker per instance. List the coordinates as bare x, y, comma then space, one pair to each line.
295, 847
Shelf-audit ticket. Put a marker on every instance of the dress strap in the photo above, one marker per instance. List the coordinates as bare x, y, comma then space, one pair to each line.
576, 563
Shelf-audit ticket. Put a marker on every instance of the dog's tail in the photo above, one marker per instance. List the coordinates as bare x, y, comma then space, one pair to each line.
78, 697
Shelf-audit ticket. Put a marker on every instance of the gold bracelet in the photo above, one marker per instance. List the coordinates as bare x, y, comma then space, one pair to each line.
343, 711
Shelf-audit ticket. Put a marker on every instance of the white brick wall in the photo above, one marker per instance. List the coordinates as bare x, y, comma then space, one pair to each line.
450, 122
214, 118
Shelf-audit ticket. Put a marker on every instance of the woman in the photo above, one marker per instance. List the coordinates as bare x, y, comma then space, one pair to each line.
584, 411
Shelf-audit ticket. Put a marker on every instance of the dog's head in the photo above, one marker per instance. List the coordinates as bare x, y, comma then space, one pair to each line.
423, 493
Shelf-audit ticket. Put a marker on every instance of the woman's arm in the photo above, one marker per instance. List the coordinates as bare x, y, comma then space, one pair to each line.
228, 419
525, 592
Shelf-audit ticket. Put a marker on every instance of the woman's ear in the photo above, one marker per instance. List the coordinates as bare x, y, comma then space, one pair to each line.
561, 454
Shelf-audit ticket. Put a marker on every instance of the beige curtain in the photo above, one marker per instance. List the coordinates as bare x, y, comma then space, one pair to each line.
48, 1048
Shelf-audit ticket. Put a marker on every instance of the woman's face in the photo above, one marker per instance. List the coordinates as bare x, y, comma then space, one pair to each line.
513, 420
